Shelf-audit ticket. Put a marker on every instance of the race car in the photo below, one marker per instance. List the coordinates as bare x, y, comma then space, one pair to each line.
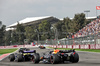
42, 47
23, 49
57, 56
23, 56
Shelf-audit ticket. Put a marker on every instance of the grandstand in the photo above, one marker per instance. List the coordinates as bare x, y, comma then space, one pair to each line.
90, 29
32, 21
37, 20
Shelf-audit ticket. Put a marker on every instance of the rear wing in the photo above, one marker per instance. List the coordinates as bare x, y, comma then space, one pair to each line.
67, 51
31, 51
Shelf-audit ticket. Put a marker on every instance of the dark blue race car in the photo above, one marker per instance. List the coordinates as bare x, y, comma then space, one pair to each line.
22, 56
57, 56
23, 49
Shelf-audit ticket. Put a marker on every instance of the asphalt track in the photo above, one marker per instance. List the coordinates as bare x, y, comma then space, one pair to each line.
86, 59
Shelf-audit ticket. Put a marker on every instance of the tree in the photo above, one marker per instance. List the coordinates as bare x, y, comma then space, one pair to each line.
69, 26
44, 27
59, 25
8, 37
79, 19
20, 33
30, 33
0, 24
2, 33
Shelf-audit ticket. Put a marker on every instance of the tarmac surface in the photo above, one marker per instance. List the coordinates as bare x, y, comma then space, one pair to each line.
85, 59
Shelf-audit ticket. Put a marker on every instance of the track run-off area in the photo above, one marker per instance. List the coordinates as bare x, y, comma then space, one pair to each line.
85, 59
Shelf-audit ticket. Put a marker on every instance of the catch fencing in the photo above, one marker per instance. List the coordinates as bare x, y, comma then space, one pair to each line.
91, 39
87, 42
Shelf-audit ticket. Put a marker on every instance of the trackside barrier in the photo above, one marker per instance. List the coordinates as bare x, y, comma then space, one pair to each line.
85, 46
69, 46
93, 46
97, 46
76, 46
59, 46
64, 46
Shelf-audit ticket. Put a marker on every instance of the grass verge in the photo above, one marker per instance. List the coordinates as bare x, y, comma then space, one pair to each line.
88, 50
0, 54
4, 51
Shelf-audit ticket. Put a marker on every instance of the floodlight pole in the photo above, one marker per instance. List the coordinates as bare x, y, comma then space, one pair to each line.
38, 37
87, 12
37, 31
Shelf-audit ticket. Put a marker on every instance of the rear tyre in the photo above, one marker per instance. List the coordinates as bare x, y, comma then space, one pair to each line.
20, 58
54, 59
36, 58
74, 58
43, 47
12, 57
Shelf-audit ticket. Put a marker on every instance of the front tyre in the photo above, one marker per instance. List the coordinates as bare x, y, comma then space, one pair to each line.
12, 57
36, 58
20, 58
54, 59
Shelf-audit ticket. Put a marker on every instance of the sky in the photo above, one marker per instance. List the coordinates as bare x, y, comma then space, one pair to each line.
12, 11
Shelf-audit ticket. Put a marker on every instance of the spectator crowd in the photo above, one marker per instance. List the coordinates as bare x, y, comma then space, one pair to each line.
92, 28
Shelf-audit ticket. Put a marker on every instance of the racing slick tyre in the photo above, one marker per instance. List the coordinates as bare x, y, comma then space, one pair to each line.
20, 58
54, 59
36, 58
12, 57
74, 58
43, 48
